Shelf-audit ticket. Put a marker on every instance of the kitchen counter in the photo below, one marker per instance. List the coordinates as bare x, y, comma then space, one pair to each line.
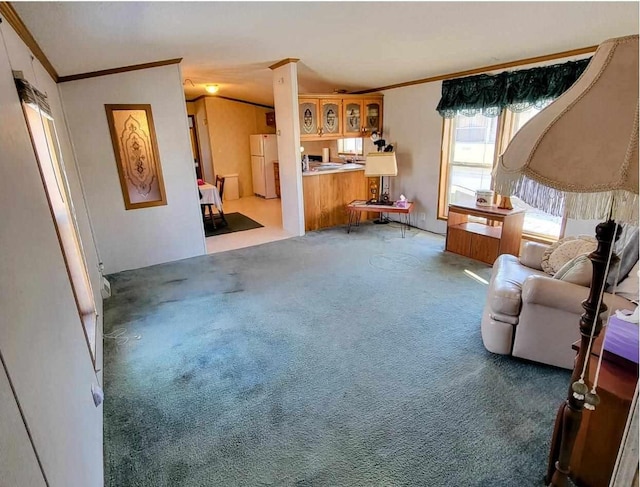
332, 169
326, 198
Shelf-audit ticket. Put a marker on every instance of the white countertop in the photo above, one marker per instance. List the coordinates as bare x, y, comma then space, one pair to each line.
349, 167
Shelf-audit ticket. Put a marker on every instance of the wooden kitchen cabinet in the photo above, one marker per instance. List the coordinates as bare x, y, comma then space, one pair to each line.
309, 112
352, 118
339, 116
499, 233
330, 117
372, 116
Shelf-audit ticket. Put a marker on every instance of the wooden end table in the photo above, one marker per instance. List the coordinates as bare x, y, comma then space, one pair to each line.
357, 207
601, 431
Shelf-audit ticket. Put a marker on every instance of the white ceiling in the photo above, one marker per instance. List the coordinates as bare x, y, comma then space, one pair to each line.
341, 45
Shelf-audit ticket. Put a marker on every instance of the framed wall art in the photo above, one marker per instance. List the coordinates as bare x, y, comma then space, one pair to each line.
136, 151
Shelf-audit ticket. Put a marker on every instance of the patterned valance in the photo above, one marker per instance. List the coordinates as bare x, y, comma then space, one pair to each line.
489, 94
28, 94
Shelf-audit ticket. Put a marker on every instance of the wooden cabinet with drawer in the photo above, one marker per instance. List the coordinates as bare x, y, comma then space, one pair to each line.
499, 232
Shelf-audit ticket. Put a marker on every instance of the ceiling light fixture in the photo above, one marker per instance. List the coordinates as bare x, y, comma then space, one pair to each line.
211, 88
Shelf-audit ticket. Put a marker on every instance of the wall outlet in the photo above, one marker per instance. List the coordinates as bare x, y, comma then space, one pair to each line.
422, 216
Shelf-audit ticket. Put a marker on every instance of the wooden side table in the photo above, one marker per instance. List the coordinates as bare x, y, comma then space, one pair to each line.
500, 234
276, 175
357, 207
598, 440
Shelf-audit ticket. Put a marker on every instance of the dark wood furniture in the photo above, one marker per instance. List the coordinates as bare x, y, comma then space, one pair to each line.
276, 174
207, 209
598, 439
499, 233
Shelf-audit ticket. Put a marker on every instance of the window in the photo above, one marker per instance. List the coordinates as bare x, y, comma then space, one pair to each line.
536, 223
47, 149
470, 148
352, 146
472, 145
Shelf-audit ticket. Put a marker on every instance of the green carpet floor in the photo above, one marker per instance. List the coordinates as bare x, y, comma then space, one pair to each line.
326, 360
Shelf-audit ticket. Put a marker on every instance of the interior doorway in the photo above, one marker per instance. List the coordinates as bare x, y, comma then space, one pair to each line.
195, 147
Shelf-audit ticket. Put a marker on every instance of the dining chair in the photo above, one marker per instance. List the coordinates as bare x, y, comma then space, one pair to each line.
220, 186
207, 208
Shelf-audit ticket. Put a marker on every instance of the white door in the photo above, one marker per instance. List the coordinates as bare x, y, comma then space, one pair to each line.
257, 170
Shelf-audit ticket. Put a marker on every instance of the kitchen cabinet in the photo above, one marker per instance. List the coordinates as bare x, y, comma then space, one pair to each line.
308, 109
330, 117
372, 121
339, 116
352, 118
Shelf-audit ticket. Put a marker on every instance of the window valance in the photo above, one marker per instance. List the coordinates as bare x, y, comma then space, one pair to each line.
489, 94
30, 95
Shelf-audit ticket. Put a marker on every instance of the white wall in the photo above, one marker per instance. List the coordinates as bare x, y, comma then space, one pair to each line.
130, 239
412, 122
18, 462
41, 336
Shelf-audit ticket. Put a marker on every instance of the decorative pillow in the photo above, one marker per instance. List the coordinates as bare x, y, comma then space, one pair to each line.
565, 249
578, 271
626, 248
628, 288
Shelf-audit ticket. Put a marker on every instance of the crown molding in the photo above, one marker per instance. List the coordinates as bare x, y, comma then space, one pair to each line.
122, 69
230, 99
484, 69
11, 16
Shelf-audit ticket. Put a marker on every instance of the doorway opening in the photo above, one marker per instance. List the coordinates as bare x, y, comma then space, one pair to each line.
227, 135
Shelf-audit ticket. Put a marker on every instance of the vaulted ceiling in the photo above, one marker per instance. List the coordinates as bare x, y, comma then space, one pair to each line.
341, 45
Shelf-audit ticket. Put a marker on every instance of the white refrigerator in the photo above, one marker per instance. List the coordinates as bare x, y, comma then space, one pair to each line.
264, 152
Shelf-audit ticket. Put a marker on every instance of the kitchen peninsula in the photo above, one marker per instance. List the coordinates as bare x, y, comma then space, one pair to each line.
328, 189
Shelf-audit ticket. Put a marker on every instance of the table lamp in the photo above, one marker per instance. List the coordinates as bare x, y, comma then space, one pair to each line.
380, 164
579, 156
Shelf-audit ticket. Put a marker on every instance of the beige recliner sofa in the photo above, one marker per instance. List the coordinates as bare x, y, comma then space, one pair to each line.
530, 315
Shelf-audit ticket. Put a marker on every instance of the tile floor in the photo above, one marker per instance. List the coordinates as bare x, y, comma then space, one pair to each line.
266, 212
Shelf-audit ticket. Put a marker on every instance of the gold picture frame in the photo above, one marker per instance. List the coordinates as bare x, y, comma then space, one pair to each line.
133, 137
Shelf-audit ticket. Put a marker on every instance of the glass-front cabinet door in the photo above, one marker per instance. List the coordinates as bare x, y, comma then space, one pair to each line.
352, 117
372, 116
308, 109
331, 119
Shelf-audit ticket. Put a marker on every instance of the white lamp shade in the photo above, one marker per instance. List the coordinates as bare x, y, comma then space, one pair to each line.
580, 154
381, 164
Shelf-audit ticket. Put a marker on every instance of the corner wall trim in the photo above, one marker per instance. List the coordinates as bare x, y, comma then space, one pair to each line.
283, 62
14, 20
122, 69
484, 69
